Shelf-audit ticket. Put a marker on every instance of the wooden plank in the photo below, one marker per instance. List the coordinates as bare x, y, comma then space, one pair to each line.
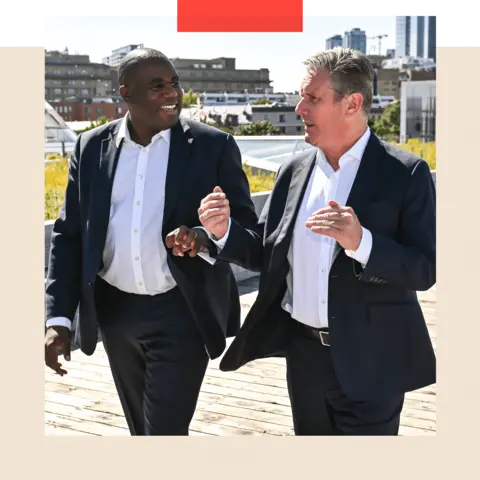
83, 426
251, 401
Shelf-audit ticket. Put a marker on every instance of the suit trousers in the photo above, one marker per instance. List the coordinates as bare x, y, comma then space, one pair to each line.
320, 406
157, 358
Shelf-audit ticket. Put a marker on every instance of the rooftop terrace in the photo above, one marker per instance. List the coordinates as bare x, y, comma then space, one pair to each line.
250, 401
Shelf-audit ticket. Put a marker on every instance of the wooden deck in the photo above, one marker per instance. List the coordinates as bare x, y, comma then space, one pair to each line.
250, 401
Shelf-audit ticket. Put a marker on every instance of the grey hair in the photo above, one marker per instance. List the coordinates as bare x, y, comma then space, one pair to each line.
135, 58
350, 72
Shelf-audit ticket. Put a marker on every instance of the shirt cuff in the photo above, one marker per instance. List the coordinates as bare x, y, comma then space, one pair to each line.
59, 322
207, 257
362, 254
219, 243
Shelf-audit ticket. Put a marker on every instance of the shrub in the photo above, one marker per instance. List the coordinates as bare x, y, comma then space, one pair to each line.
56, 176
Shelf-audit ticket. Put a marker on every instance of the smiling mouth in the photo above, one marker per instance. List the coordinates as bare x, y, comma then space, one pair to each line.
168, 108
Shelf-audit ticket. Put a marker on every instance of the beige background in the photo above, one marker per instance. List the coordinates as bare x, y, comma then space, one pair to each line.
27, 453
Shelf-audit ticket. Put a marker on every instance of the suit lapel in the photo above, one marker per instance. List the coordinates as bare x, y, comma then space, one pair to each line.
296, 191
363, 188
178, 160
102, 190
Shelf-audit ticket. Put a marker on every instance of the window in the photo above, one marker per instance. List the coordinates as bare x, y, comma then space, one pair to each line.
84, 92
119, 109
71, 91
265, 117
281, 118
58, 91
99, 111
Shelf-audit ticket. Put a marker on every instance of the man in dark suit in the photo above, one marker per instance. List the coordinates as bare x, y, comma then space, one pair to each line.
345, 240
131, 183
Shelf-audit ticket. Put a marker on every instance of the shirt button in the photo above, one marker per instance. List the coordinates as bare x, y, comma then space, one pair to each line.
324, 270
323, 301
136, 230
140, 283
137, 258
138, 203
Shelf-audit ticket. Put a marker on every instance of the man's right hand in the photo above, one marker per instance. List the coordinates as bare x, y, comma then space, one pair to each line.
57, 340
214, 213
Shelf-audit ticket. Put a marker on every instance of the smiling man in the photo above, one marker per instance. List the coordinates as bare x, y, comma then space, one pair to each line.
161, 316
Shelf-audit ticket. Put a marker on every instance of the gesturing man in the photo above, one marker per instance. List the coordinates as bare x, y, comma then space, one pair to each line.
345, 240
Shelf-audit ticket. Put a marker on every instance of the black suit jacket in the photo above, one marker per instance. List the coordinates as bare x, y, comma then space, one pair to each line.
379, 340
200, 158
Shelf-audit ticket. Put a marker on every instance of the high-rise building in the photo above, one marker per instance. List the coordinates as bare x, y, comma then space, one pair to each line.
356, 39
416, 37
403, 36
335, 41
430, 38
114, 59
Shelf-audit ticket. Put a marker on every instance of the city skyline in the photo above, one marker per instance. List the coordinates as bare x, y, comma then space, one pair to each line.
251, 50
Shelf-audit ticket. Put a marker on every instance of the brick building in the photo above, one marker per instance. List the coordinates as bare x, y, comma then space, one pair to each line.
90, 109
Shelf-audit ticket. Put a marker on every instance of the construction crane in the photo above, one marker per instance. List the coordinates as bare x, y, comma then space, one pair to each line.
379, 38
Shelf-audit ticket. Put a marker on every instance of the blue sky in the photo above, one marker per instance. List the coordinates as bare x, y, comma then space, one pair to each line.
281, 53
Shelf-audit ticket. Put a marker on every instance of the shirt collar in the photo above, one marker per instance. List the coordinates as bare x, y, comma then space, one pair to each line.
123, 132
356, 151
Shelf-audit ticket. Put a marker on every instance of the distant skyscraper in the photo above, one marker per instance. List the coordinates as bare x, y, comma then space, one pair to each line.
356, 39
403, 36
335, 41
430, 38
416, 37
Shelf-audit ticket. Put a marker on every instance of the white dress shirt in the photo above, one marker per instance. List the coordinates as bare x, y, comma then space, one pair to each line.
134, 256
311, 254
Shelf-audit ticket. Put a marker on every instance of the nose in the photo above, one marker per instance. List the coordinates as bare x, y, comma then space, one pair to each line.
300, 108
170, 92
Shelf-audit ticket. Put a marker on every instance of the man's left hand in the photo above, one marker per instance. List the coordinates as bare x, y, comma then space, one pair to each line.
184, 239
338, 222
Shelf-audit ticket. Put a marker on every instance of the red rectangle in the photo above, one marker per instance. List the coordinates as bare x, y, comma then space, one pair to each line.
242, 16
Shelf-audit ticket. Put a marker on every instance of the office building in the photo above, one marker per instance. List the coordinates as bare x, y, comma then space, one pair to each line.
356, 39
335, 41
115, 58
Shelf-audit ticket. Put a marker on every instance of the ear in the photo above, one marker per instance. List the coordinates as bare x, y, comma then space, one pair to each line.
354, 103
125, 93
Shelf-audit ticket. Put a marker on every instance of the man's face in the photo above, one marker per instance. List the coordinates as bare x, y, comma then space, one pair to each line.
324, 116
153, 94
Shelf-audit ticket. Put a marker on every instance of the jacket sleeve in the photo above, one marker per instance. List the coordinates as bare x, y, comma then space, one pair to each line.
63, 285
409, 261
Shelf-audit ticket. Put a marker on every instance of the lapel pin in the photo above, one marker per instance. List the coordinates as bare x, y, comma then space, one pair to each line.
190, 140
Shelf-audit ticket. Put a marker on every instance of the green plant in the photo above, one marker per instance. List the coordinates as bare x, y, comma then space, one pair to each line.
56, 178
259, 181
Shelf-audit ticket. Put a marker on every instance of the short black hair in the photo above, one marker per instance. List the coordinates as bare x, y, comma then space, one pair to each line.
135, 58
